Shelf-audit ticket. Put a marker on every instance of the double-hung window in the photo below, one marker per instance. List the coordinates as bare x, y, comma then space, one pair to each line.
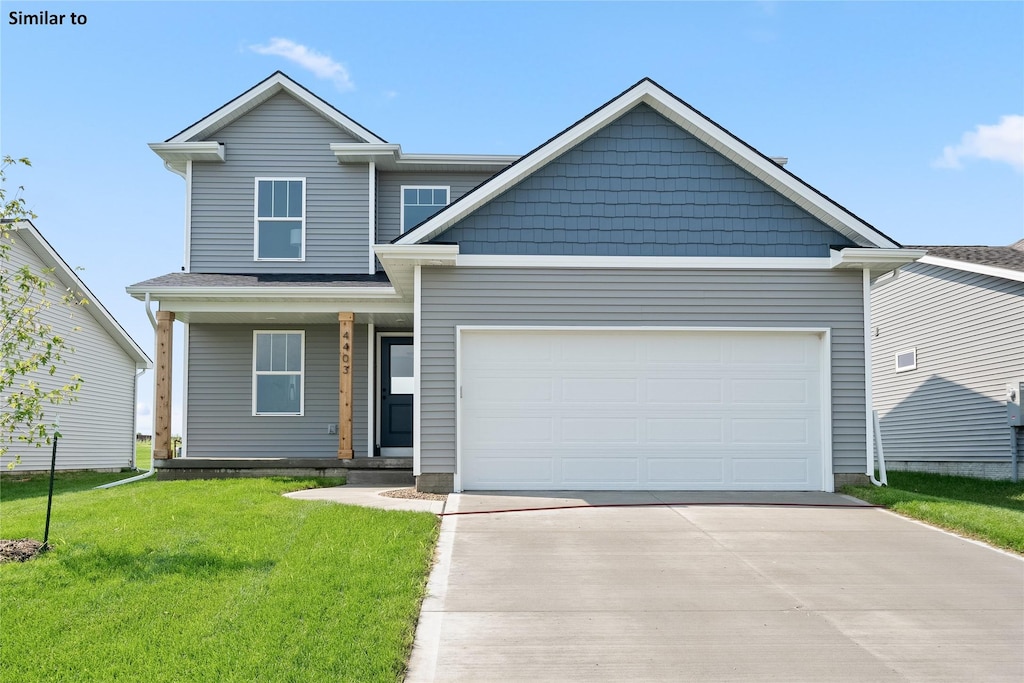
280, 219
420, 203
278, 358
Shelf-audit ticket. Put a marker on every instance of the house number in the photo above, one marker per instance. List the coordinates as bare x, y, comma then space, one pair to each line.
344, 354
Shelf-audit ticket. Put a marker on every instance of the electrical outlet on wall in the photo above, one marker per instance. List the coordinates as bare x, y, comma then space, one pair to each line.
332, 429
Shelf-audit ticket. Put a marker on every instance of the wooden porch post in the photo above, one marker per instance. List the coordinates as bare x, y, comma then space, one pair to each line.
162, 410
345, 368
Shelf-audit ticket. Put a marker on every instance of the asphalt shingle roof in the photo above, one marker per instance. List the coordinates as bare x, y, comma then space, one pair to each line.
264, 280
1011, 257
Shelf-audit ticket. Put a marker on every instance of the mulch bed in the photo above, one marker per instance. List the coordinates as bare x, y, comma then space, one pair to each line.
19, 550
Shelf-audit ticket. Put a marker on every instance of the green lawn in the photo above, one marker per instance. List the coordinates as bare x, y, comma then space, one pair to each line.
208, 581
143, 454
991, 511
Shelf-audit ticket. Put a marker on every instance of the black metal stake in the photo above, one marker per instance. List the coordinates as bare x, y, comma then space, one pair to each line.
49, 500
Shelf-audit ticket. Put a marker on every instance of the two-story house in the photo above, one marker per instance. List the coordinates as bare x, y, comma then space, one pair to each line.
641, 302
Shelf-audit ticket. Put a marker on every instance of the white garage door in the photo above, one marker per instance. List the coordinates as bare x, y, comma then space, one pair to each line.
641, 409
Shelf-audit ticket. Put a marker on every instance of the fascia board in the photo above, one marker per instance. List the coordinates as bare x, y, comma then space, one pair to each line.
51, 259
687, 118
645, 262
419, 254
262, 92
278, 306
878, 261
390, 157
981, 269
177, 154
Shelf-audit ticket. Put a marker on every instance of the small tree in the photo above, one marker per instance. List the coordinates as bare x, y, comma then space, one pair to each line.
28, 345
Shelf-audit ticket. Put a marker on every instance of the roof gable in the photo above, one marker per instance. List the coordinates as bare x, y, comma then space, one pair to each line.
713, 136
643, 186
276, 83
37, 244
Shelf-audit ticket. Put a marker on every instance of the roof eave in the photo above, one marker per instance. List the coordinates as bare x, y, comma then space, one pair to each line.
969, 267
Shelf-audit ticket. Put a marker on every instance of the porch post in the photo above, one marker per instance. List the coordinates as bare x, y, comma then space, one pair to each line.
162, 410
345, 368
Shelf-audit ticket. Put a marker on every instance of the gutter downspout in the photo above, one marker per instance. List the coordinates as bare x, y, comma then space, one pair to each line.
869, 418
152, 461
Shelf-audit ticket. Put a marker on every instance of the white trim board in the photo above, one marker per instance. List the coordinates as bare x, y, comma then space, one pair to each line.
638, 262
823, 333
650, 93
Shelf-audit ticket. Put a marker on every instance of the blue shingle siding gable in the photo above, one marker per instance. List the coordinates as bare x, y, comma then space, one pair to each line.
642, 186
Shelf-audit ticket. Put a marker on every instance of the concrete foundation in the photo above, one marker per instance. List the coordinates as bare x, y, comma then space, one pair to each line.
851, 479
434, 482
978, 470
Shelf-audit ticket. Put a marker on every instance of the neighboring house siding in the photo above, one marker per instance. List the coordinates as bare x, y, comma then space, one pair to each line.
642, 186
697, 298
220, 423
389, 199
98, 428
969, 336
280, 138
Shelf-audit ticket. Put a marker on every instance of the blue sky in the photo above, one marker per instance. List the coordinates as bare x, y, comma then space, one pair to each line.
908, 114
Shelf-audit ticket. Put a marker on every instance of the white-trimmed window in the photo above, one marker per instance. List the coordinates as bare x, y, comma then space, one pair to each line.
906, 360
278, 357
280, 219
420, 202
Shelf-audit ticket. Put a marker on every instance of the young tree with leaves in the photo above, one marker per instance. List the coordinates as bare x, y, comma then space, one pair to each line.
30, 348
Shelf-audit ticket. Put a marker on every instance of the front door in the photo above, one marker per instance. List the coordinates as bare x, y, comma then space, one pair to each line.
397, 385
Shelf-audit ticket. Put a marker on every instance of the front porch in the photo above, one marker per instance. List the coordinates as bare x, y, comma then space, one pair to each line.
392, 471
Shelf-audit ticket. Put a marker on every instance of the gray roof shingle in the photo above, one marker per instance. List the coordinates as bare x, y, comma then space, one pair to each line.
1011, 257
263, 280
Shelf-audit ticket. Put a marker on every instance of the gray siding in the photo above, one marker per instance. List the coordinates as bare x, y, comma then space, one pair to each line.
969, 333
389, 200
497, 296
98, 428
219, 415
280, 138
642, 186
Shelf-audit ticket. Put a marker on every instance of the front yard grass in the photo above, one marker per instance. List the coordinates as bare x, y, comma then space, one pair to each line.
991, 511
208, 581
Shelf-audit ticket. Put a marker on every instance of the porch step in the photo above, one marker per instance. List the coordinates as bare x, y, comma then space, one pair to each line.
368, 471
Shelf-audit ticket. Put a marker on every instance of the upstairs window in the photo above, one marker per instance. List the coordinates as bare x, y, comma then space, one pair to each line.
420, 203
906, 360
277, 372
280, 219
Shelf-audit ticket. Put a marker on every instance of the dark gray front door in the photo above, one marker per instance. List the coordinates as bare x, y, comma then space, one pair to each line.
396, 382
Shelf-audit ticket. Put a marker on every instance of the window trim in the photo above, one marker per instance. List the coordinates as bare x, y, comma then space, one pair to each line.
302, 372
257, 218
908, 368
401, 201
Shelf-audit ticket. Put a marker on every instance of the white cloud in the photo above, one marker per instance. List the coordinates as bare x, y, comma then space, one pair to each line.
1002, 142
321, 65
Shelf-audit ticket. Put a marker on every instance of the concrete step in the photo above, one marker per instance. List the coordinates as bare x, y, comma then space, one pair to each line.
388, 477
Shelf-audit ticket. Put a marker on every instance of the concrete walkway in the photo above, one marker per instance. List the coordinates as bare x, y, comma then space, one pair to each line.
713, 593
368, 496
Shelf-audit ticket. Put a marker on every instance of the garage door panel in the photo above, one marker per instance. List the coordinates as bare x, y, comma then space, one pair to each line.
685, 473
600, 390
605, 472
598, 431
641, 409
681, 430
684, 390
753, 471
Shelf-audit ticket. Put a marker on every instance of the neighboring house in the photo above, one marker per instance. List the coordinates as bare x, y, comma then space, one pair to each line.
642, 302
98, 427
948, 339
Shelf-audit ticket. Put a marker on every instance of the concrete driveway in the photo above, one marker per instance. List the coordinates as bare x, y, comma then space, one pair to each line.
713, 592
